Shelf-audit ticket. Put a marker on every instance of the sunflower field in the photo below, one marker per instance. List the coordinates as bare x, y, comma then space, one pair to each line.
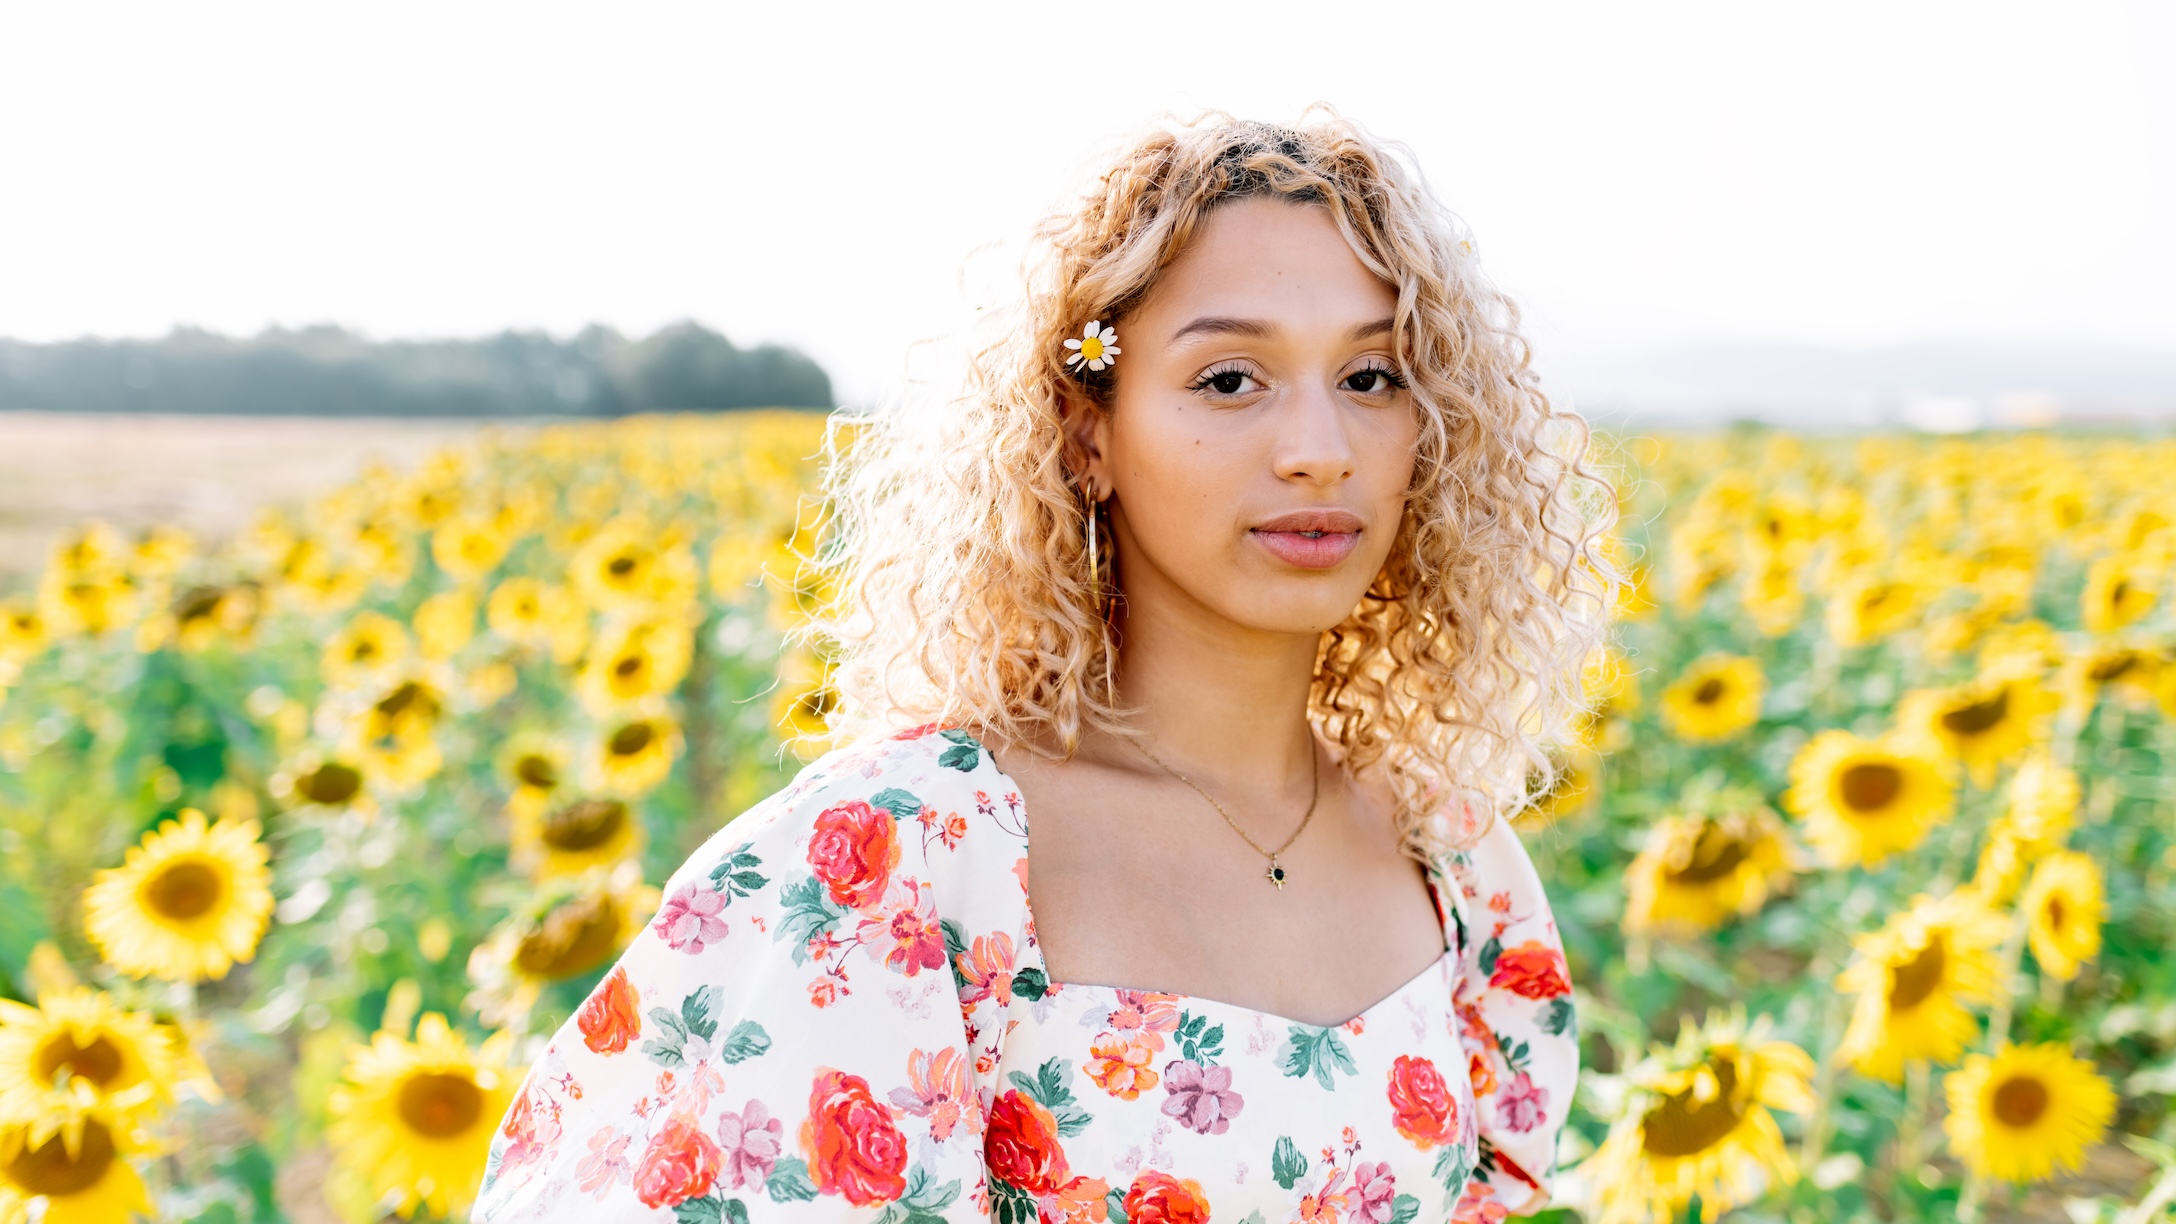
308, 839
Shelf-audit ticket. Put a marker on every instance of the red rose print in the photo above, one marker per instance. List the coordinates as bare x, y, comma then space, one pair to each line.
1421, 1107
612, 1015
853, 852
1020, 1145
852, 1146
1533, 970
1159, 1198
680, 1163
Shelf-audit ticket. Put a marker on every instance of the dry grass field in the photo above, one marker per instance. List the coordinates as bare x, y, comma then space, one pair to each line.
207, 474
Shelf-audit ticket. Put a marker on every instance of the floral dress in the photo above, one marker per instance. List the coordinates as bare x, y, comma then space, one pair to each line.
840, 1012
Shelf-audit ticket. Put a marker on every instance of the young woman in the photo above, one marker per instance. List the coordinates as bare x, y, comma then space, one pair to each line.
1259, 618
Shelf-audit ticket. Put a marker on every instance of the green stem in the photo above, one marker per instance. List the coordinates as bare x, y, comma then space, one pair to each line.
2013, 955
1911, 1128
1970, 1202
1815, 1143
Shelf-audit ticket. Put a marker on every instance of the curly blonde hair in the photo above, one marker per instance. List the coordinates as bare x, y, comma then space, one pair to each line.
957, 544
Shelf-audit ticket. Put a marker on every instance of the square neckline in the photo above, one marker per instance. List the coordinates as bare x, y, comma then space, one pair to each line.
1443, 906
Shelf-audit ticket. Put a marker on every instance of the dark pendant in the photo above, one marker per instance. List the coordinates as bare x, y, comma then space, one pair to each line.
1276, 874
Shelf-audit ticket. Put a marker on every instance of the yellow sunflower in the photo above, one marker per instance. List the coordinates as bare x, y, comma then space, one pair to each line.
1612, 693
445, 623
77, 1174
2027, 645
570, 927
190, 900
1774, 598
23, 631
396, 736
468, 548
572, 837
1913, 978
1865, 610
2118, 591
2064, 908
1983, 724
413, 1120
315, 780
635, 754
203, 616
544, 617
77, 1046
1565, 791
627, 565
1717, 697
1863, 800
1699, 1124
1697, 871
633, 661
366, 649
2004, 858
803, 702
2043, 800
2025, 1111
535, 767
2131, 670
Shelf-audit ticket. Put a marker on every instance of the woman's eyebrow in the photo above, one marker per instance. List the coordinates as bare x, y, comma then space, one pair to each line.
1380, 327
1221, 325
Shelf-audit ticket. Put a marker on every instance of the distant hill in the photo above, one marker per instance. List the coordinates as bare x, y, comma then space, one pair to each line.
326, 371
1946, 385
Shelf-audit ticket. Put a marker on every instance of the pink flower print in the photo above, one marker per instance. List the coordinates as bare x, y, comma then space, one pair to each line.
1200, 1097
606, 1165
905, 929
937, 1090
986, 966
690, 918
1479, 1205
1373, 1189
1524, 1104
532, 1133
1143, 1017
750, 1141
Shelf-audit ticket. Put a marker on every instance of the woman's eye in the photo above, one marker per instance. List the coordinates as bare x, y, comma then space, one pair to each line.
1372, 381
1226, 382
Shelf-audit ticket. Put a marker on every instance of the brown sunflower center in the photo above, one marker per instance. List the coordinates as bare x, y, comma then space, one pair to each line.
184, 890
584, 825
1715, 855
1978, 717
197, 603
363, 651
1911, 982
539, 772
437, 1105
49, 1169
331, 784
1710, 691
816, 705
628, 667
2112, 667
1870, 786
2118, 593
2056, 912
631, 739
621, 566
575, 938
2020, 1102
100, 1062
1683, 1126
409, 699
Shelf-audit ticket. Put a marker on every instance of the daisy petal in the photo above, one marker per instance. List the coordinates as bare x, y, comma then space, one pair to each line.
1072, 359
1072, 344
1090, 331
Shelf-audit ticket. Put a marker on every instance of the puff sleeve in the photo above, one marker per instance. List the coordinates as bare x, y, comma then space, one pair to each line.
787, 1040
1517, 1021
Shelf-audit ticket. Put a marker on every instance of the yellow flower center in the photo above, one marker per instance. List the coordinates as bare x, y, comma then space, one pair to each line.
537, 771
584, 825
331, 784
631, 739
438, 1105
1682, 1126
1910, 983
1870, 786
48, 1169
1977, 717
2020, 1102
184, 890
1091, 348
100, 1062
575, 938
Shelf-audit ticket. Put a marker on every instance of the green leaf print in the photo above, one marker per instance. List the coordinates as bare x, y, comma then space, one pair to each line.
1403, 1209
963, 755
1452, 1169
737, 875
709, 1209
924, 1201
1285, 1163
697, 1008
807, 911
1489, 952
1114, 1206
1049, 1090
745, 1042
901, 804
665, 1049
1252, 1217
1030, 984
955, 946
1199, 1041
1560, 1017
1009, 1204
788, 1182
1317, 1051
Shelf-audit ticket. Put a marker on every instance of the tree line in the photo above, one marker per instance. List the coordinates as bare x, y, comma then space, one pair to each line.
328, 371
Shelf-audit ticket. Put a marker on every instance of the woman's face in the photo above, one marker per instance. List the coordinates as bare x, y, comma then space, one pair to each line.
1262, 440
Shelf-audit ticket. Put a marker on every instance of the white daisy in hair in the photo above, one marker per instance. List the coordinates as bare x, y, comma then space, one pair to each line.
1098, 346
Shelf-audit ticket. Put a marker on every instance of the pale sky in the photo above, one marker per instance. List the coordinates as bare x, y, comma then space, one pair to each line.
1637, 175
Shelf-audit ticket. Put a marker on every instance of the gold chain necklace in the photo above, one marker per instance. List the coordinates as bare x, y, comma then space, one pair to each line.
1276, 873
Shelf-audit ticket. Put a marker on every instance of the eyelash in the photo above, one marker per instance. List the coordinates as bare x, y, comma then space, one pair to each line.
1395, 379
1219, 371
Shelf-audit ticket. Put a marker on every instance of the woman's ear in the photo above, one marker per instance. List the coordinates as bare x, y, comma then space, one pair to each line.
1087, 437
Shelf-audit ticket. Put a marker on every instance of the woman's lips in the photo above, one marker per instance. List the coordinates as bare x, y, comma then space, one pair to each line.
1313, 539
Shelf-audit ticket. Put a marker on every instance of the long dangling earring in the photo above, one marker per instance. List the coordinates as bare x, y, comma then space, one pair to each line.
1095, 563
